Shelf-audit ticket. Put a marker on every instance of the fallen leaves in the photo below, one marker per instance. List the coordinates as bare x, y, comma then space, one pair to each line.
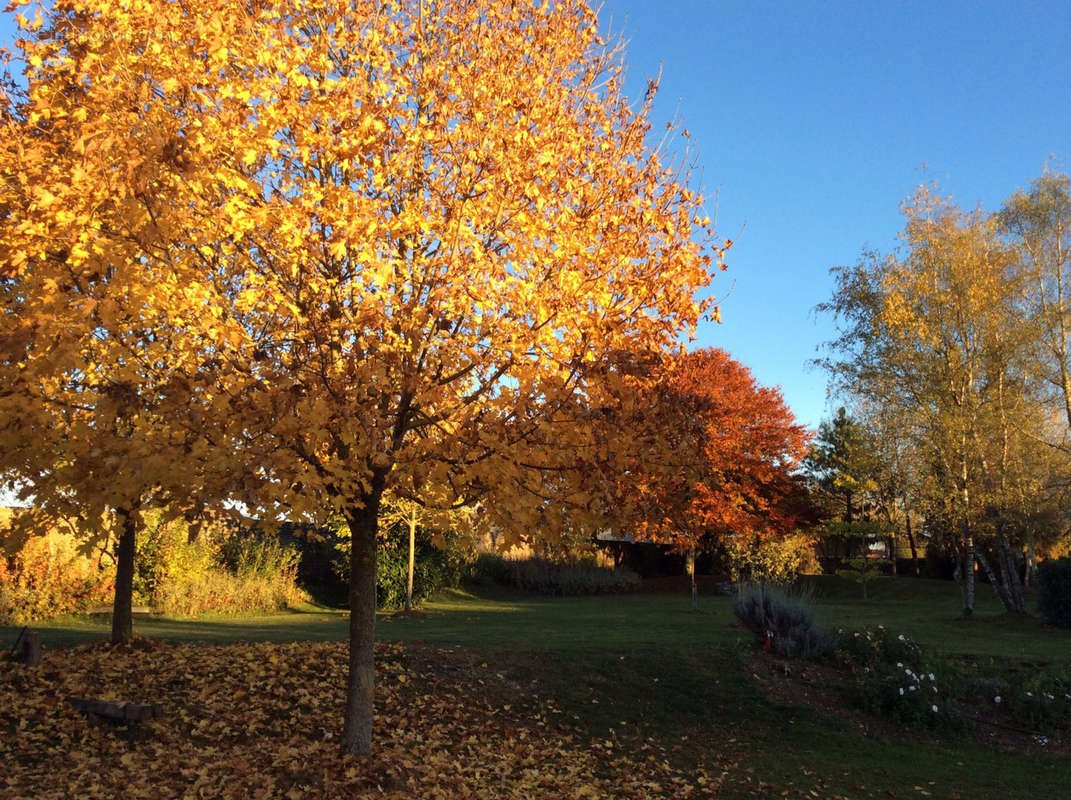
260, 720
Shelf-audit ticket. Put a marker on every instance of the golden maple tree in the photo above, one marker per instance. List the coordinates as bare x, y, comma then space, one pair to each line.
371, 245
95, 412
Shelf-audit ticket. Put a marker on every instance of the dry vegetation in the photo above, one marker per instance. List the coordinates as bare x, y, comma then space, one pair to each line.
260, 720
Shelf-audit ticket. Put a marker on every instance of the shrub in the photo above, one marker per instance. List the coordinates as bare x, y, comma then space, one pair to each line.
245, 573
219, 591
491, 568
220, 571
49, 577
543, 576
258, 554
166, 553
862, 571
893, 679
1054, 591
778, 561
784, 624
434, 568
1043, 701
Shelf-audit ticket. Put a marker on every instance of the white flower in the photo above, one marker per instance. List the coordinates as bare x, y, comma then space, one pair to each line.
900, 637
901, 691
866, 669
1029, 694
934, 709
996, 699
899, 664
932, 678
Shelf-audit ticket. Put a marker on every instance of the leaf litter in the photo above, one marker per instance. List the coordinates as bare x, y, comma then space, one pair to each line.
261, 720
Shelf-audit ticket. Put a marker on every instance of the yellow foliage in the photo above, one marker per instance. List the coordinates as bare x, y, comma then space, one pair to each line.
294, 264
49, 575
779, 560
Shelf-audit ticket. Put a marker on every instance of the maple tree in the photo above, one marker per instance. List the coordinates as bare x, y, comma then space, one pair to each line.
95, 417
367, 245
732, 448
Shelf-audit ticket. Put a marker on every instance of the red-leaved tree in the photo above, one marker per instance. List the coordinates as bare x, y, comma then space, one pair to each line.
735, 448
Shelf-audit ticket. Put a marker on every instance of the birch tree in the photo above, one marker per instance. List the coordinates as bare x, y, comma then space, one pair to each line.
932, 334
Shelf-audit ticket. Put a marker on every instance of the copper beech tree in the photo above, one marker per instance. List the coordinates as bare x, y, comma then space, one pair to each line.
727, 464
378, 245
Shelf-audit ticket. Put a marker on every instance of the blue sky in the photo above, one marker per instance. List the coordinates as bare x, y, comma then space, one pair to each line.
813, 120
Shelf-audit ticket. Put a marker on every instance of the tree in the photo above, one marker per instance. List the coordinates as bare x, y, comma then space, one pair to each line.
858, 472
1038, 224
841, 460
895, 472
733, 448
422, 512
95, 411
932, 337
402, 237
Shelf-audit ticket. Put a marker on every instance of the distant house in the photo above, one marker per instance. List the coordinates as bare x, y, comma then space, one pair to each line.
651, 559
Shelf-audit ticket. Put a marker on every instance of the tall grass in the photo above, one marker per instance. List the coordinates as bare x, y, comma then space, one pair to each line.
542, 576
251, 573
219, 591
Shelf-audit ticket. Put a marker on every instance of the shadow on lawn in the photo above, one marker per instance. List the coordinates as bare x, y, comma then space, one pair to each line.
608, 623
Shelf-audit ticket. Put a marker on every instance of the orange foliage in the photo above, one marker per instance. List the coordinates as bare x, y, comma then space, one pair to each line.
734, 445
49, 577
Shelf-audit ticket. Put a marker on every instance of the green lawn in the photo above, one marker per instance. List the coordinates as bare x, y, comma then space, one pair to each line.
931, 612
644, 664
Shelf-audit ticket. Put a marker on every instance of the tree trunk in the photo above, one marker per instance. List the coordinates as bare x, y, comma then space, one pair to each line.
412, 559
1011, 597
968, 576
689, 567
1030, 570
123, 604
998, 585
1013, 585
968, 538
360, 686
911, 544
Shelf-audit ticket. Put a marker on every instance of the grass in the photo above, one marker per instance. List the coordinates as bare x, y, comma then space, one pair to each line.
931, 612
639, 665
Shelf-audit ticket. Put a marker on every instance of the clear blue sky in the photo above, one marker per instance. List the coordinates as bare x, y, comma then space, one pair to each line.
812, 120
